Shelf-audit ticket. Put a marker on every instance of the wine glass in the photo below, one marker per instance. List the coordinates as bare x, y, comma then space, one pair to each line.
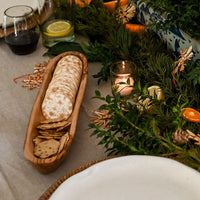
21, 30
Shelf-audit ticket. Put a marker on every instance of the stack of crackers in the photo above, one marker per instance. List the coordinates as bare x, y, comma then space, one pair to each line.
57, 107
51, 138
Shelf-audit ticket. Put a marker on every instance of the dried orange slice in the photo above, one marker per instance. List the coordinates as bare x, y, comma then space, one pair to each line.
110, 5
191, 115
136, 28
81, 3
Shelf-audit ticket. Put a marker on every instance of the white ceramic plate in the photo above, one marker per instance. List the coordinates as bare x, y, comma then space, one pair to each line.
8, 3
132, 178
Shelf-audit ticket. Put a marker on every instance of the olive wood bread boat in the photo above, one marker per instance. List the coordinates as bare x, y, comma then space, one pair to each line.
49, 164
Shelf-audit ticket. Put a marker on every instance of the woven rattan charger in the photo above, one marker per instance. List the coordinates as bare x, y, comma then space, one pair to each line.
53, 187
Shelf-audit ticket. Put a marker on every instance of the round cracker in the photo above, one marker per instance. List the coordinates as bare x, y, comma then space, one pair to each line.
61, 93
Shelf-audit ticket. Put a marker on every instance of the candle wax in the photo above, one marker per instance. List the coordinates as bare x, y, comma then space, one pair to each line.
123, 87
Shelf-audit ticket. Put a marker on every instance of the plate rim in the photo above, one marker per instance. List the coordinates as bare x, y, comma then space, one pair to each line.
49, 192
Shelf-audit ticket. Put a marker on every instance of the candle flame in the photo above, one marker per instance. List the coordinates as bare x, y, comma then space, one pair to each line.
123, 64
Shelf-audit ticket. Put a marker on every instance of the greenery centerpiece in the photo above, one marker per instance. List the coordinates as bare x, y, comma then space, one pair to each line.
176, 22
125, 125
178, 14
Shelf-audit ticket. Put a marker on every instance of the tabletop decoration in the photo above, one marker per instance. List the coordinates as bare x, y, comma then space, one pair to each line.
170, 129
155, 92
120, 124
172, 14
182, 137
186, 54
101, 118
111, 5
52, 127
191, 115
107, 45
122, 77
126, 12
176, 23
81, 3
33, 80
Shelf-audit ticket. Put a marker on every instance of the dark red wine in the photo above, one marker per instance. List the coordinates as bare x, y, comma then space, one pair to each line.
24, 42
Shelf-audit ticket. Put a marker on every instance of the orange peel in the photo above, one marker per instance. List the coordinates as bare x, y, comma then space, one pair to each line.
191, 115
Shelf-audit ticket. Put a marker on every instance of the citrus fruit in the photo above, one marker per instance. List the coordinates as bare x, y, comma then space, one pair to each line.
136, 28
58, 29
191, 115
81, 3
110, 5
155, 92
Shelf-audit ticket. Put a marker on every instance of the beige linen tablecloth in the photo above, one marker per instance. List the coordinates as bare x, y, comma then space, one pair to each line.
19, 180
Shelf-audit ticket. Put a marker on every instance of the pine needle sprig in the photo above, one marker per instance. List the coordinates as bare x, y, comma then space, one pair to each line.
130, 130
182, 14
194, 74
133, 132
94, 21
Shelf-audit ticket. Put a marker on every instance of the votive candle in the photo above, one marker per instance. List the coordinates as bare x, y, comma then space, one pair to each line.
122, 77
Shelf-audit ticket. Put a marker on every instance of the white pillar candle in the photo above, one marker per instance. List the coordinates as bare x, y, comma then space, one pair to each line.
124, 88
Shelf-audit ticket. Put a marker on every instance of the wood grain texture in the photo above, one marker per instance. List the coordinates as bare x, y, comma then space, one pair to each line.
50, 164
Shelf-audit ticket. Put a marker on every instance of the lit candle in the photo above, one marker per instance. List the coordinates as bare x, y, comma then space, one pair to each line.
121, 77
123, 87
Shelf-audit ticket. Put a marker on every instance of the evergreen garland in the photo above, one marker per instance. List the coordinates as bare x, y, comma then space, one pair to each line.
151, 132
130, 131
181, 14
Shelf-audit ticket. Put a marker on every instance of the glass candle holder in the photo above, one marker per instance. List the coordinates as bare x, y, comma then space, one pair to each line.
122, 77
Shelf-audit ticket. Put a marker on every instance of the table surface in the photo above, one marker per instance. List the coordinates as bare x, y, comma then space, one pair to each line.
18, 178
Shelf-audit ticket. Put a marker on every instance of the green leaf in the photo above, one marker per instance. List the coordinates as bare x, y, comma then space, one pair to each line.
108, 99
97, 93
62, 47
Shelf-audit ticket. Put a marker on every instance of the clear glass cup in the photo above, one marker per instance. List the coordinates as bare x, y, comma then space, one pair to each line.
49, 38
21, 30
45, 10
54, 28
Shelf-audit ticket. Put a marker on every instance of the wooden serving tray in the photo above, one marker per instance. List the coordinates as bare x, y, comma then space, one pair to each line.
50, 164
